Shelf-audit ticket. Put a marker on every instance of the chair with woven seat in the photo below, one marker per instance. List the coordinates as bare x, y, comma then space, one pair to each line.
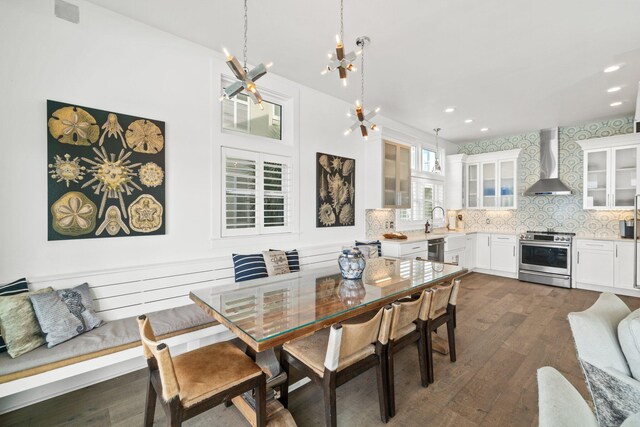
408, 326
199, 380
335, 355
441, 311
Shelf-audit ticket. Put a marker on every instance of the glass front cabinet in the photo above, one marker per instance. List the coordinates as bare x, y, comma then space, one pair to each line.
396, 176
491, 180
611, 172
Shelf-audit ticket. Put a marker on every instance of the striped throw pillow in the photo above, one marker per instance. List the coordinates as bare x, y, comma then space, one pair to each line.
17, 287
371, 242
248, 267
292, 258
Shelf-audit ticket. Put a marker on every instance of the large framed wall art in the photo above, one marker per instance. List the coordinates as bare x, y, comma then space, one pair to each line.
106, 173
335, 191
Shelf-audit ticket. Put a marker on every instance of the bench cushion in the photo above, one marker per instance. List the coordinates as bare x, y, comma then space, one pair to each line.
113, 336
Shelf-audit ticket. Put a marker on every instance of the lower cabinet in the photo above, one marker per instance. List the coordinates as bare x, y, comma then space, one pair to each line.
455, 257
483, 251
470, 252
595, 262
504, 253
623, 265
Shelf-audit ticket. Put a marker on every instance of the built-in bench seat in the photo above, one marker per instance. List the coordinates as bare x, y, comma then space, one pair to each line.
110, 338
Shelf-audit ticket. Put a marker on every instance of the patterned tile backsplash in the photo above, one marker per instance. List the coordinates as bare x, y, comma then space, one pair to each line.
562, 213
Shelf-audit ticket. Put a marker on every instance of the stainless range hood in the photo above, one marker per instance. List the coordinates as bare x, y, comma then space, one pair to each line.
549, 183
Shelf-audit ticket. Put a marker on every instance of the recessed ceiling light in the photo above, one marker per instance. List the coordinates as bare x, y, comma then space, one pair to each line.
449, 110
615, 104
612, 68
484, 129
468, 120
614, 89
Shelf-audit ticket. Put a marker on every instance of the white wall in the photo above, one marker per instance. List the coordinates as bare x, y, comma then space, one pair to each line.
113, 63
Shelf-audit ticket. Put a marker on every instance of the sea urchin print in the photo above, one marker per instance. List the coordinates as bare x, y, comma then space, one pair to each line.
335, 190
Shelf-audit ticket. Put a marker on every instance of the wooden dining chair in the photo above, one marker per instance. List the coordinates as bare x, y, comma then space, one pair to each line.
408, 326
441, 311
194, 382
335, 355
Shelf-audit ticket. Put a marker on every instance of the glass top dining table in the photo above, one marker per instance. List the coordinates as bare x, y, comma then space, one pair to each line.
265, 313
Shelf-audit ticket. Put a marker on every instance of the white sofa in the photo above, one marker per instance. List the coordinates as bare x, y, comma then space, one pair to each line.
607, 339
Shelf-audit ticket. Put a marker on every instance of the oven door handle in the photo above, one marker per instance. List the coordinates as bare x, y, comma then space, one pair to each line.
545, 245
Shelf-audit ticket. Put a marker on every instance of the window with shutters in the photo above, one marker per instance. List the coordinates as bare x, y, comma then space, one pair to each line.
426, 194
257, 193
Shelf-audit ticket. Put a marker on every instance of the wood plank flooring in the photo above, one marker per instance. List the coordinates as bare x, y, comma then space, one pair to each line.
506, 330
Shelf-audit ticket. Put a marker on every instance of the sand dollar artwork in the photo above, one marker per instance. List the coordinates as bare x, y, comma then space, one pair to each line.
145, 214
66, 169
73, 125
144, 136
74, 214
151, 174
111, 128
112, 222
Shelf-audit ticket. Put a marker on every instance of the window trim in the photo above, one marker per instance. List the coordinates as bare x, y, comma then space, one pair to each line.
260, 158
405, 225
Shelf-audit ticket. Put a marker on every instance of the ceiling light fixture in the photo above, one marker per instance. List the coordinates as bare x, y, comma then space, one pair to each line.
341, 62
436, 164
484, 129
612, 68
614, 89
246, 79
468, 121
616, 104
363, 120
449, 110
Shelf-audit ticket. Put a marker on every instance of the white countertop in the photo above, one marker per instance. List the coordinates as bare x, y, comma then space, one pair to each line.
609, 239
439, 234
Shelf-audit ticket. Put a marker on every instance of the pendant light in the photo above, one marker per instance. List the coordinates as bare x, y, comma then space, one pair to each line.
436, 165
362, 120
341, 62
245, 78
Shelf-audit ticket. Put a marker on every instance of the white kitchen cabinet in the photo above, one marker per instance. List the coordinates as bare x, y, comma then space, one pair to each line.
455, 257
396, 171
455, 178
595, 262
470, 252
504, 253
611, 173
623, 265
483, 251
491, 180
454, 249
399, 249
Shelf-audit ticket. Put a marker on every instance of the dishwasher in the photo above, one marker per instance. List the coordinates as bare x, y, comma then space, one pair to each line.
435, 250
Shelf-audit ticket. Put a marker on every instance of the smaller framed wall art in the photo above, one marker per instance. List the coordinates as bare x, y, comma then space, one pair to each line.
335, 191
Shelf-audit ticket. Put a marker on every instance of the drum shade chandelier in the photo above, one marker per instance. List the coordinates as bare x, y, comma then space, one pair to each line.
363, 120
245, 78
341, 62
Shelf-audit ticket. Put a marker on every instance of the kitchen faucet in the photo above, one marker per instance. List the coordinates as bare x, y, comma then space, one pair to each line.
432, 210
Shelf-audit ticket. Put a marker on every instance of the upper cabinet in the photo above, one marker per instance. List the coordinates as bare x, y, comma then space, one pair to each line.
487, 181
611, 171
389, 184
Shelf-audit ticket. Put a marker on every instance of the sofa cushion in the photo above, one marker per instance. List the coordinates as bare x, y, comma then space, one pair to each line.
276, 262
19, 325
16, 287
629, 337
293, 258
65, 313
248, 267
595, 332
559, 403
109, 338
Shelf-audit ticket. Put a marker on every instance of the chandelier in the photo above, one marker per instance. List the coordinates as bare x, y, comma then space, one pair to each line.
245, 78
363, 120
436, 164
341, 62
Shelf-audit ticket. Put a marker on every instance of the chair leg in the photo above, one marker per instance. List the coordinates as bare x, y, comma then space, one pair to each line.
452, 338
329, 391
261, 402
429, 348
175, 412
455, 317
383, 384
150, 407
391, 381
284, 387
422, 356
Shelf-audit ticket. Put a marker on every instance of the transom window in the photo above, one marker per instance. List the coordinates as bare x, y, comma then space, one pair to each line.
240, 114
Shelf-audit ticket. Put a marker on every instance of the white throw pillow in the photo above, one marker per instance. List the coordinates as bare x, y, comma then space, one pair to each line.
595, 332
276, 262
629, 336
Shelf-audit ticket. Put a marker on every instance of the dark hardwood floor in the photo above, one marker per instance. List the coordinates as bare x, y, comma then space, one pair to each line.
506, 330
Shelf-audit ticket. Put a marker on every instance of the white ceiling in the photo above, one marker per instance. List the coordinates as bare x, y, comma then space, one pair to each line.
511, 66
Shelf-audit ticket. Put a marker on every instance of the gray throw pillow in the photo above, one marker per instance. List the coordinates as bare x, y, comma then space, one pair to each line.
65, 313
19, 324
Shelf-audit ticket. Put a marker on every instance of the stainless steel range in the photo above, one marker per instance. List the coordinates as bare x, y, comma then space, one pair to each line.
545, 257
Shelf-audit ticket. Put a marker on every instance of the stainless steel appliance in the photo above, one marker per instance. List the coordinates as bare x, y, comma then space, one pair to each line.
435, 250
545, 257
626, 229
